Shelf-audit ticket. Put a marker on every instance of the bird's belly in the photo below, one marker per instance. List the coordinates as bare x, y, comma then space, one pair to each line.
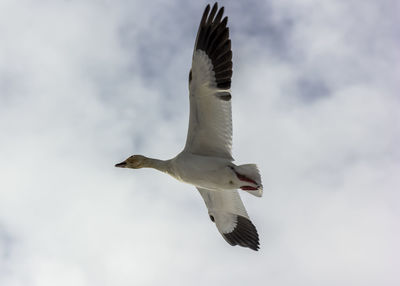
208, 174
214, 179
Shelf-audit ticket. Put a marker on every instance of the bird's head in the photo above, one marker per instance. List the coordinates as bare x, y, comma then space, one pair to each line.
134, 162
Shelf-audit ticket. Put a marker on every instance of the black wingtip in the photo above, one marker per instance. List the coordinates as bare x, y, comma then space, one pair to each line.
212, 13
205, 15
245, 234
213, 39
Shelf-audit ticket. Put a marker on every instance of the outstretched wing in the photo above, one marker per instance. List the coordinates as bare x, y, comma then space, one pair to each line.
210, 122
227, 211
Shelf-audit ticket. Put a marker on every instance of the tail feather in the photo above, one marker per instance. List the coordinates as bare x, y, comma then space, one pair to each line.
251, 171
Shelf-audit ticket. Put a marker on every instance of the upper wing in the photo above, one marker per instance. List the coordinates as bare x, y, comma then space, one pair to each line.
210, 122
229, 214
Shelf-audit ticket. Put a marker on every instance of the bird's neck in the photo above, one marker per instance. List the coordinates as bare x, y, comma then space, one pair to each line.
161, 165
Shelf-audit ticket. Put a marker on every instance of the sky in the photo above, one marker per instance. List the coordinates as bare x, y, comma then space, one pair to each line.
315, 95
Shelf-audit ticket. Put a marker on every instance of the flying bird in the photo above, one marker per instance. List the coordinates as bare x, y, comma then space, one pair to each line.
206, 161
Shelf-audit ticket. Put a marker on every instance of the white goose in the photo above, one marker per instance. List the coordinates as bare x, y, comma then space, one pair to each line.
206, 161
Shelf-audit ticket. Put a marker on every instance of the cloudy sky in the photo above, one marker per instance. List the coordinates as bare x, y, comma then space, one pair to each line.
85, 84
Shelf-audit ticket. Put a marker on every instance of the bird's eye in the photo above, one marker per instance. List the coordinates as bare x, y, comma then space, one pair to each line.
212, 218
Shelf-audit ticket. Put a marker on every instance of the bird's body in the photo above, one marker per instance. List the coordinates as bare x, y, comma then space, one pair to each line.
206, 161
212, 173
203, 171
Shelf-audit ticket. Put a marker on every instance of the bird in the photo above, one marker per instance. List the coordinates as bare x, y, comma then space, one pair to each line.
206, 161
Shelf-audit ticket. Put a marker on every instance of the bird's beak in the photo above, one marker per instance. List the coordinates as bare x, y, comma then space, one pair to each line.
121, 165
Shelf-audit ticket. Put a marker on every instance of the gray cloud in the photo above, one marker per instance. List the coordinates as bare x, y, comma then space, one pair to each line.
84, 85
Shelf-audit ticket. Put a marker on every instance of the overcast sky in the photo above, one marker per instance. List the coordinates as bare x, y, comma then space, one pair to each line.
85, 84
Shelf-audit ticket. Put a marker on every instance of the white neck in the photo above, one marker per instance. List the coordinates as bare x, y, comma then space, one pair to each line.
161, 165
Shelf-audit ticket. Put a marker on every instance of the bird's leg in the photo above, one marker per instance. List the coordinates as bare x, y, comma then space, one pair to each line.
249, 188
246, 179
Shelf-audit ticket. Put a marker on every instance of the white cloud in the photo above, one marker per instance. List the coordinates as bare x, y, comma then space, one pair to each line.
85, 84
